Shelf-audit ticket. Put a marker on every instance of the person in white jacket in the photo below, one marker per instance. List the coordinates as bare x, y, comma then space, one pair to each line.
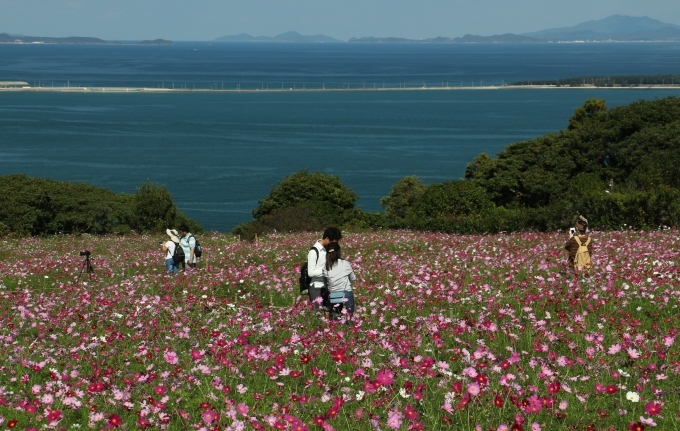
340, 277
316, 261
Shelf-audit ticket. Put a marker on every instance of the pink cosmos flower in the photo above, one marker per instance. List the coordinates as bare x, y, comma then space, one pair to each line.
210, 416
242, 408
171, 358
473, 389
394, 419
647, 421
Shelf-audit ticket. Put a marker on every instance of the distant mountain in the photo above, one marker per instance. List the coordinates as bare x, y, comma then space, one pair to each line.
614, 28
290, 36
7, 38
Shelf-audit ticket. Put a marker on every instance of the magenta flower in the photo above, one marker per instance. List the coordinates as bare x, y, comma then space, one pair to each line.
385, 377
210, 416
242, 408
653, 408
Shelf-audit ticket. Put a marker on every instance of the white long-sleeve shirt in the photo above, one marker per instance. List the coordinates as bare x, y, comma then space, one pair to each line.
315, 265
340, 277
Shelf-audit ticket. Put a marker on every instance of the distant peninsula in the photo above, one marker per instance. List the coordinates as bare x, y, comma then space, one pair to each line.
74, 40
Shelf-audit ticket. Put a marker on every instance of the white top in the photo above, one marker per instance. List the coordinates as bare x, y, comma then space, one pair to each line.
170, 246
315, 266
340, 277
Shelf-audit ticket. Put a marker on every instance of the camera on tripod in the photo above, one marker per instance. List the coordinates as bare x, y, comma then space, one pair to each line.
85, 253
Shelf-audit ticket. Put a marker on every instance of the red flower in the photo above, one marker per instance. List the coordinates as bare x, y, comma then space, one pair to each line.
498, 401
54, 415
338, 355
611, 389
553, 387
410, 413
636, 426
143, 422
114, 420
653, 408
12, 423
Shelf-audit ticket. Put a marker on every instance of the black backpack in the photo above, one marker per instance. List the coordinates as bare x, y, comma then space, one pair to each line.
178, 255
198, 250
305, 279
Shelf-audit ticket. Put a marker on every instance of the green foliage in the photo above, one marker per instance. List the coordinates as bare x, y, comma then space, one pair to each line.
402, 197
610, 81
323, 193
35, 206
307, 201
154, 208
620, 167
452, 206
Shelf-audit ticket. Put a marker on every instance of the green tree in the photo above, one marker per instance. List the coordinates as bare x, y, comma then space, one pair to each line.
453, 206
402, 197
590, 109
321, 193
154, 208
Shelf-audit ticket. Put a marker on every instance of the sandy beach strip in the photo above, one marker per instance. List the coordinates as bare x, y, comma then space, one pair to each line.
70, 89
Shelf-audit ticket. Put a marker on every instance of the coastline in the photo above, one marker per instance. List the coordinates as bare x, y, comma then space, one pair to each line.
303, 89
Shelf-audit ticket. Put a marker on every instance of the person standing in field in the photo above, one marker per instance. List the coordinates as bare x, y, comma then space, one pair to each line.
316, 262
580, 248
188, 243
340, 278
168, 248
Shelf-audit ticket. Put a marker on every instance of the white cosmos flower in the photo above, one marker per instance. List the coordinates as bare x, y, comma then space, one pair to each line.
632, 396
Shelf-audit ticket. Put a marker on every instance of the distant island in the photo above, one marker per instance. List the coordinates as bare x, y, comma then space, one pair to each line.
616, 28
74, 40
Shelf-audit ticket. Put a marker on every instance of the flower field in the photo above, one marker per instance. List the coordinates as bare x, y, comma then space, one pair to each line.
451, 332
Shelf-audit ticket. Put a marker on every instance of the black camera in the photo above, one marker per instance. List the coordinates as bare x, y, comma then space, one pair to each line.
85, 253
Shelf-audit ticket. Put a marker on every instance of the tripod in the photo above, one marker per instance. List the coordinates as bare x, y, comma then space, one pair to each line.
87, 266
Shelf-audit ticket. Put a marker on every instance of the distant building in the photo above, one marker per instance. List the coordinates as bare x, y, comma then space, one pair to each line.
13, 84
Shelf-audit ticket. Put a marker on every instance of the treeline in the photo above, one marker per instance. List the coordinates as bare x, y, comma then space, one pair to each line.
618, 167
608, 81
35, 206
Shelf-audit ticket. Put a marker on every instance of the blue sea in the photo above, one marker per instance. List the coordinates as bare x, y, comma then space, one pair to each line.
219, 152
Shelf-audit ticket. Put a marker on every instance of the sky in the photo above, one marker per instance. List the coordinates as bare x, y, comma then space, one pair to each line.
203, 20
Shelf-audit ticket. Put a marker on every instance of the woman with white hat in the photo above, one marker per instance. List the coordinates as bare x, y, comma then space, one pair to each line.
169, 250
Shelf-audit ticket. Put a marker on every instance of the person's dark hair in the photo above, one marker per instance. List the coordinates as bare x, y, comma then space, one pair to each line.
184, 228
332, 233
332, 255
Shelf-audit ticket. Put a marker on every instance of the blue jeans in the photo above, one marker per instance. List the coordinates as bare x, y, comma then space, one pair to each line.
171, 266
348, 304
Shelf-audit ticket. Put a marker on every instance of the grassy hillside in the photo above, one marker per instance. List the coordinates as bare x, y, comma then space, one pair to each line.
451, 332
